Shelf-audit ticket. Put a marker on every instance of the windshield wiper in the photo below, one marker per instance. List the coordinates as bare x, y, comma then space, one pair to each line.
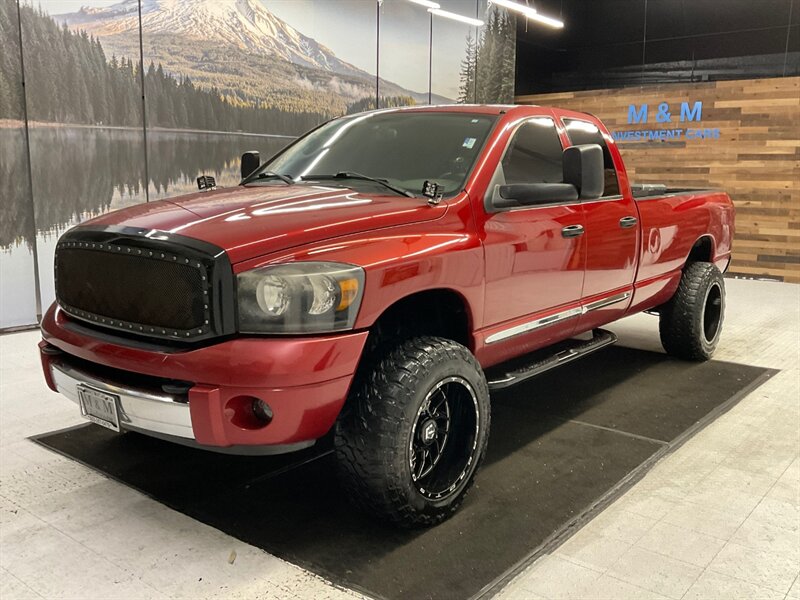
269, 175
353, 175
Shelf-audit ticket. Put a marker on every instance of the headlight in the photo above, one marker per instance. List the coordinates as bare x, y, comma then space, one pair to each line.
301, 297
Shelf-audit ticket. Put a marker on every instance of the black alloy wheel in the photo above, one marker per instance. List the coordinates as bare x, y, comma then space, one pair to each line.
712, 312
449, 413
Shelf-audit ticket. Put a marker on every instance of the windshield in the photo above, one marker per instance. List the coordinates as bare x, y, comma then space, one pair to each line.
403, 148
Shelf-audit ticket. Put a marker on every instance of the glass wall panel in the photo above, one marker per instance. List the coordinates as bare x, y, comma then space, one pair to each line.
253, 77
496, 55
467, 63
346, 30
404, 53
454, 47
17, 229
85, 122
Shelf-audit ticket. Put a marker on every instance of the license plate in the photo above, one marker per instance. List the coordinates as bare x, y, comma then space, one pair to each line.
99, 407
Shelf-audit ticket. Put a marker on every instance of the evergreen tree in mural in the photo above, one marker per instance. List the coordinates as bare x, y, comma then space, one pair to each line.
466, 92
487, 72
385, 102
10, 85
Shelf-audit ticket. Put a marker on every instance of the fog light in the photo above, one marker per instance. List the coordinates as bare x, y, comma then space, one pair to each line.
248, 412
261, 410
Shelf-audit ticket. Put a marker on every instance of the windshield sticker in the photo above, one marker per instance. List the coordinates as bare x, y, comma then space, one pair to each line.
469, 142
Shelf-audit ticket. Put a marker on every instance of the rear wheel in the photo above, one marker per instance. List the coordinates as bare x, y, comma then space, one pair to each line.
691, 322
414, 432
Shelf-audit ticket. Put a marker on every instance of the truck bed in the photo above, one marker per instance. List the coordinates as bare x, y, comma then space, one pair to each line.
672, 222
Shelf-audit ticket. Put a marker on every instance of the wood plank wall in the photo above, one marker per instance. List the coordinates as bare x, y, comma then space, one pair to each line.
756, 158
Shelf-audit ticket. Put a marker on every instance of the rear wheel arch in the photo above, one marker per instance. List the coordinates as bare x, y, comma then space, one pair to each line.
703, 250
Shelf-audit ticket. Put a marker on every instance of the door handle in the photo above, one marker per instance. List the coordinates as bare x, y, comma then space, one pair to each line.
626, 222
572, 231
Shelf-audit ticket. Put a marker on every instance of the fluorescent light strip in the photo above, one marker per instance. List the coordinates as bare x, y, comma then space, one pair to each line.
455, 17
516, 6
426, 3
550, 21
528, 12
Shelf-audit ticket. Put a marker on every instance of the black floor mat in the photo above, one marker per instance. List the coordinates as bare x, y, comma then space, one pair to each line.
558, 444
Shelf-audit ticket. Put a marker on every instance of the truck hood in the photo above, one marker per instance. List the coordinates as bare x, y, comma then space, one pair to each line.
248, 222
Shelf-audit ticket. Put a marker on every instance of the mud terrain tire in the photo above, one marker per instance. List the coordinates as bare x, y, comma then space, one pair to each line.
414, 432
691, 322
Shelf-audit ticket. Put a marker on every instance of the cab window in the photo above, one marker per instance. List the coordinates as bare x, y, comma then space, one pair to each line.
534, 154
583, 132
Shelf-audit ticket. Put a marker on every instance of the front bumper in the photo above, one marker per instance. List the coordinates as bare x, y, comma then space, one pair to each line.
304, 380
140, 408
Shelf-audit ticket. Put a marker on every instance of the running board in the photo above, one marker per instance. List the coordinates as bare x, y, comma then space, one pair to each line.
548, 358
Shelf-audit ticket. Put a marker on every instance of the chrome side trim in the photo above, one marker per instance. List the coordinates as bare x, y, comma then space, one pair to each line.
555, 318
603, 302
614, 198
673, 194
531, 325
138, 409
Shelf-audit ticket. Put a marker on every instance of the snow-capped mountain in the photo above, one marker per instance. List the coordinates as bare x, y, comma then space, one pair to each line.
243, 24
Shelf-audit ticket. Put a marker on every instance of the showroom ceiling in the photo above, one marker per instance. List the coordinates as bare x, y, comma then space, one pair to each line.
602, 42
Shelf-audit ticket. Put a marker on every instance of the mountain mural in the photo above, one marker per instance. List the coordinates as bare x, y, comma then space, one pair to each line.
238, 47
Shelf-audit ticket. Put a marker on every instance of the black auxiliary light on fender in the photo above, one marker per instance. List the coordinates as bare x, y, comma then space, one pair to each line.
206, 182
433, 191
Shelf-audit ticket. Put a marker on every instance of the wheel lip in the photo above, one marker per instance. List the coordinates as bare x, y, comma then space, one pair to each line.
470, 464
718, 328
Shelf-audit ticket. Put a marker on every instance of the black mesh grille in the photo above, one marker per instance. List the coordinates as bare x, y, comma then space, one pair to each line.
134, 289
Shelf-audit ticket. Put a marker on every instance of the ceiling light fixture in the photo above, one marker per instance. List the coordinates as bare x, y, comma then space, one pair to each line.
426, 3
529, 12
455, 17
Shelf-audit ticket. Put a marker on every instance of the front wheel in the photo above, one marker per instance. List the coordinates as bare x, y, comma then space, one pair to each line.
691, 322
414, 432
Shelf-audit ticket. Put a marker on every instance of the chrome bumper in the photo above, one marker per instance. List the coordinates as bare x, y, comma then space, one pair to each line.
143, 410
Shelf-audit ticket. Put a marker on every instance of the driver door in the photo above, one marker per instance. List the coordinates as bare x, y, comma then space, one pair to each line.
535, 256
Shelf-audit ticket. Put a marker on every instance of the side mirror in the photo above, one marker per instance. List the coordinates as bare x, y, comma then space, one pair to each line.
531, 194
583, 168
251, 160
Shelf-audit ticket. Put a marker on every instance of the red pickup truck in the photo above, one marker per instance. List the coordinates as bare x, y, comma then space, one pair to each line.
371, 283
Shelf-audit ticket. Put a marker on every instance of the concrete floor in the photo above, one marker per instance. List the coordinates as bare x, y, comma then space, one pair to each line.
719, 518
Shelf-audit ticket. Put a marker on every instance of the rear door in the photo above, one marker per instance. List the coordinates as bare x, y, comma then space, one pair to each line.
534, 269
612, 237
